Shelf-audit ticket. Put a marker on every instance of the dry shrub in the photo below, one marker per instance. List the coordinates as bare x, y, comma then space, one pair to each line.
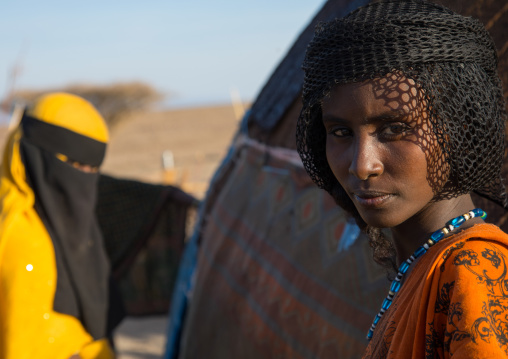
114, 101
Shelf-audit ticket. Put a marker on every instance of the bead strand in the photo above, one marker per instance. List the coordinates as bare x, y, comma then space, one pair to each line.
403, 268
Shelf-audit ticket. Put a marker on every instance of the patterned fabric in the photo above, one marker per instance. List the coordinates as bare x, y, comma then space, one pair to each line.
269, 283
454, 303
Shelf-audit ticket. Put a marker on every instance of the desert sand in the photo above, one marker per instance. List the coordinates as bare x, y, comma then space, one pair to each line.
198, 138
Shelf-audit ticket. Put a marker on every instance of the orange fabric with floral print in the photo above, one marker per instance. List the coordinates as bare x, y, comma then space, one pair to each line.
454, 303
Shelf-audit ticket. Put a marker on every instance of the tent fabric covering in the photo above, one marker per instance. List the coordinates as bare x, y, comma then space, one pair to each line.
144, 229
268, 280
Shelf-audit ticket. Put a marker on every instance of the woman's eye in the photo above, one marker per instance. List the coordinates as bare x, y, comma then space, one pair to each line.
341, 132
396, 129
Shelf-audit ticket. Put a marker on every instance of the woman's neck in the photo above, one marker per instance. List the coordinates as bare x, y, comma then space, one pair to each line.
411, 234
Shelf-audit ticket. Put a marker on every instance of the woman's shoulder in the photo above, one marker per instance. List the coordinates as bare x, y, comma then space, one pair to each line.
470, 298
481, 252
480, 237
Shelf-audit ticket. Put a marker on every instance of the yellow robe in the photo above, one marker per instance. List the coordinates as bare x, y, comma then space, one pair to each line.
29, 328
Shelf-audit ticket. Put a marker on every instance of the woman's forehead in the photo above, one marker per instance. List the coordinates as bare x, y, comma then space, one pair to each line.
393, 92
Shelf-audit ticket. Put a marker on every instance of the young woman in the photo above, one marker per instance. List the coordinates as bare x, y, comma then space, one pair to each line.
403, 118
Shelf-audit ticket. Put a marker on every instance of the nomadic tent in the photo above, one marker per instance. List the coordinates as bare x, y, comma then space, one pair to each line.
274, 269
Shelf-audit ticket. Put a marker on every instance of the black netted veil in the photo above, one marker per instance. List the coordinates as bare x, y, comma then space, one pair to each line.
453, 63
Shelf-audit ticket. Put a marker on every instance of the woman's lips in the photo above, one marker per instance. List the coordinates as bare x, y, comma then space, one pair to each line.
372, 199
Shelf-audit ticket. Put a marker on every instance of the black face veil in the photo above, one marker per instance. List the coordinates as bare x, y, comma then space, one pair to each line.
65, 200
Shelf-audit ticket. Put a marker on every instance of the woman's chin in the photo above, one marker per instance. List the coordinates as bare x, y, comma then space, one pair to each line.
379, 218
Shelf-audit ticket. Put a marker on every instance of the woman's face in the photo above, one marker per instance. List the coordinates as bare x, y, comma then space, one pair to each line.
380, 148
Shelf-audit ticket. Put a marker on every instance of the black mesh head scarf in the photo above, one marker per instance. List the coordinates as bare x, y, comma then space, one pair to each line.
444, 61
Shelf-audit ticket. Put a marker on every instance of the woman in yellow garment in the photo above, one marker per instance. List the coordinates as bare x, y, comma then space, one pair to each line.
53, 267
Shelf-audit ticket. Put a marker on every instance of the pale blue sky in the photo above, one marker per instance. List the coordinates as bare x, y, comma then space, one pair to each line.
195, 51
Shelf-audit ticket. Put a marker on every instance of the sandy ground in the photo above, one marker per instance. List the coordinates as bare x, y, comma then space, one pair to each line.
198, 139
141, 338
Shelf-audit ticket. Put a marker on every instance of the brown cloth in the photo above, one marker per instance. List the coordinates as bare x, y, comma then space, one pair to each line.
144, 229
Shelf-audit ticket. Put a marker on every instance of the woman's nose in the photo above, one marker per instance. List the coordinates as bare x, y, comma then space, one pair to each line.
366, 161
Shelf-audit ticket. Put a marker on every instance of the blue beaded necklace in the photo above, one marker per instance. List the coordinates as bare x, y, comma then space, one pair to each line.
434, 238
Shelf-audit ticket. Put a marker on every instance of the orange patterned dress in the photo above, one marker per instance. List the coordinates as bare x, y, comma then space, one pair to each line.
453, 304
